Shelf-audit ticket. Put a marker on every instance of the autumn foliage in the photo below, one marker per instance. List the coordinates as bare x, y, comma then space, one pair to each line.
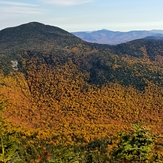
66, 91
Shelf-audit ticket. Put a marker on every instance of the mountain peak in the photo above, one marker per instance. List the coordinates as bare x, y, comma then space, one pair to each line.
33, 35
34, 27
31, 25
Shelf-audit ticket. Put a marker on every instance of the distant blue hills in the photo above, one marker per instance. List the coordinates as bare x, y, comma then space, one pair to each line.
116, 37
155, 37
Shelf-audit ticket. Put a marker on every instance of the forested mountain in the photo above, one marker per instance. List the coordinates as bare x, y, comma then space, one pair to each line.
156, 37
62, 89
33, 36
148, 47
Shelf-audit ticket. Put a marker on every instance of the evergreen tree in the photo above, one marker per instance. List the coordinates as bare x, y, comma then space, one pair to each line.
134, 146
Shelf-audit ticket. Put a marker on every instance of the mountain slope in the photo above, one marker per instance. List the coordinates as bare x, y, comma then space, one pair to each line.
112, 37
65, 88
32, 36
156, 37
148, 47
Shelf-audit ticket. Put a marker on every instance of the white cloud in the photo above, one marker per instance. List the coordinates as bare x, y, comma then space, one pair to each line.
15, 8
19, 10
66, 2
9, 3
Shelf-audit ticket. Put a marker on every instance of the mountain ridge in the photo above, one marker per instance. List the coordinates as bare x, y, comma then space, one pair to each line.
114, 37
156, 37
35, 35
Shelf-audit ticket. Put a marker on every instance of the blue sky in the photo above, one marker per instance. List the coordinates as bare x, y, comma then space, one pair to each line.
84, 15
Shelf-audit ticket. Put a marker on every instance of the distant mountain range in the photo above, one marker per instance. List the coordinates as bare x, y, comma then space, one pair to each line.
114, 37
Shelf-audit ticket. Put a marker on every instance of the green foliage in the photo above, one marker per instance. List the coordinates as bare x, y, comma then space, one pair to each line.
8, 147
62, 154
134, 146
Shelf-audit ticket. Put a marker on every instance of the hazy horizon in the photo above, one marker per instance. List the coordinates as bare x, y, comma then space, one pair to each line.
85, 15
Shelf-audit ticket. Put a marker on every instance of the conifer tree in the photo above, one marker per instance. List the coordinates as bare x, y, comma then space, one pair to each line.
134, 146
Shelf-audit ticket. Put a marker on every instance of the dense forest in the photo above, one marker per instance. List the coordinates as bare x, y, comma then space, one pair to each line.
66, 100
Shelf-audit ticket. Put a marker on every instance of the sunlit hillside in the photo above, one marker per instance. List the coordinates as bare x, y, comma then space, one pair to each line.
59, 88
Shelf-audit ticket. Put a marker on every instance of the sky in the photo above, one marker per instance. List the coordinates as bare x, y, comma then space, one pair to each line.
84, 15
